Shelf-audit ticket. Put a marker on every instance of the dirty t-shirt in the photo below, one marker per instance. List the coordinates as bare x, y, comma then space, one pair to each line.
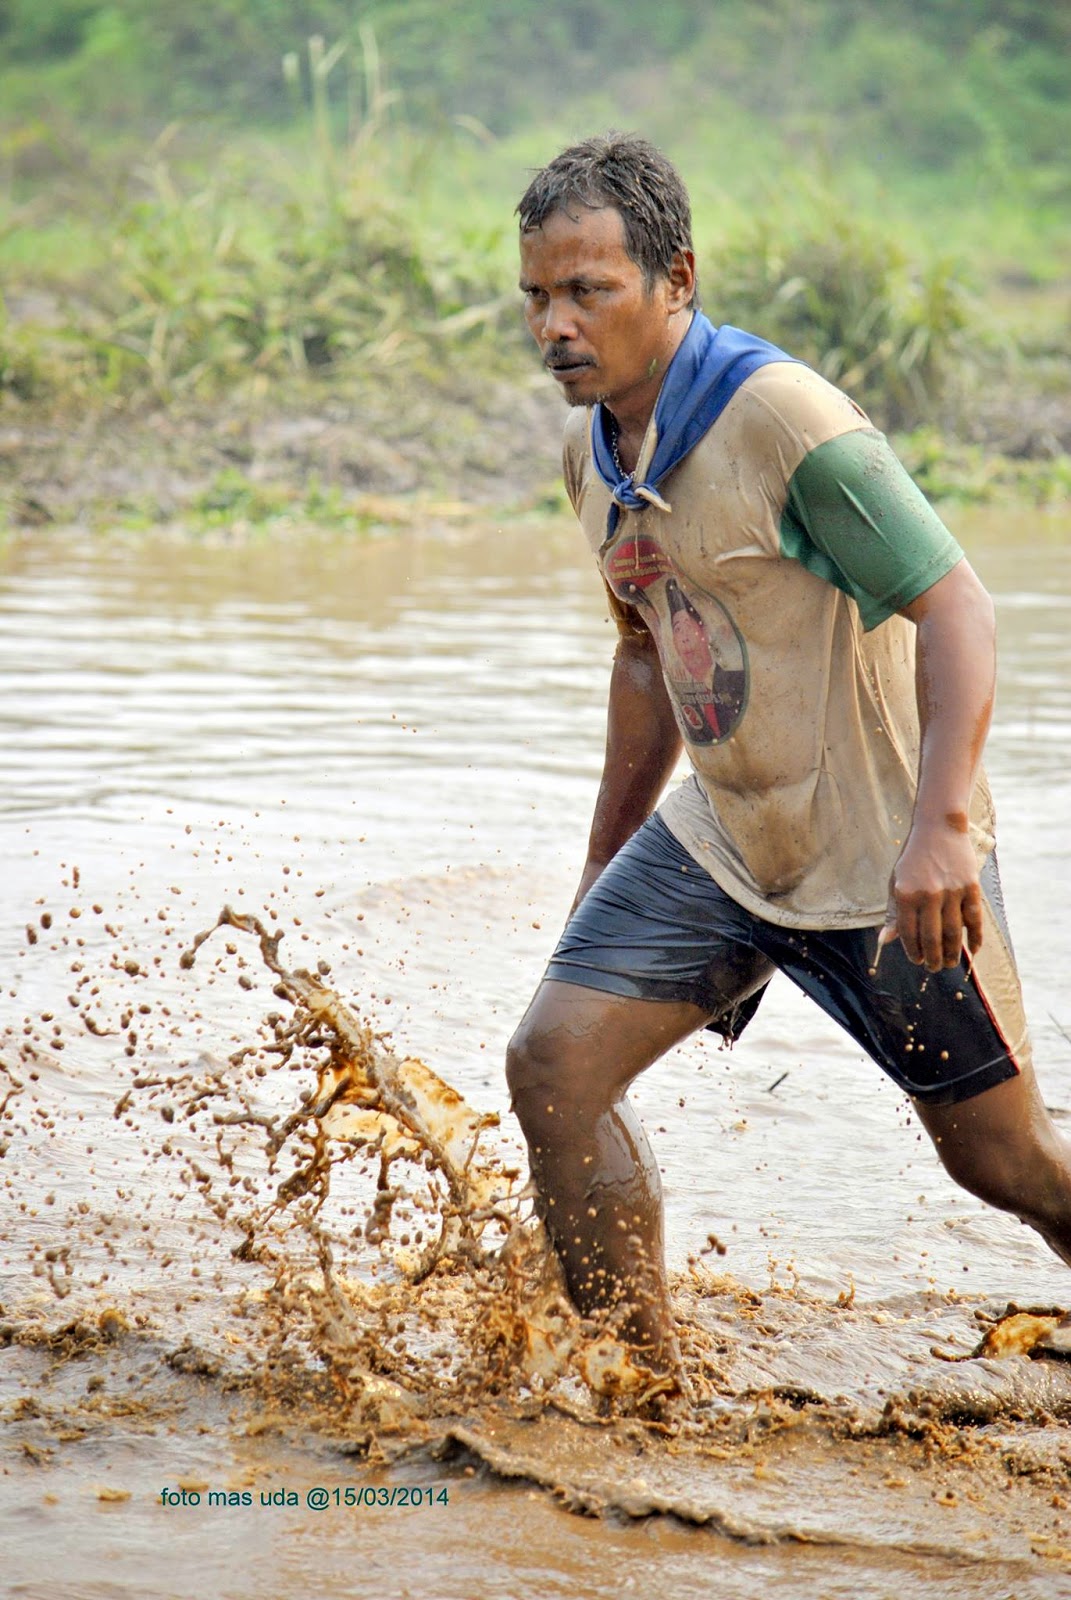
770, 582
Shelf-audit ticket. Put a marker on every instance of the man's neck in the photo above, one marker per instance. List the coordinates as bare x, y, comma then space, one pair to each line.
632, 413
627, 446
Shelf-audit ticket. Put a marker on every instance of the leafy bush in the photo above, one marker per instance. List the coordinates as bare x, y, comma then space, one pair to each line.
265, 270
846, 299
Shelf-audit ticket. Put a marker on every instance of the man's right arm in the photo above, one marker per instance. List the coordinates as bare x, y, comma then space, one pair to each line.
643, 744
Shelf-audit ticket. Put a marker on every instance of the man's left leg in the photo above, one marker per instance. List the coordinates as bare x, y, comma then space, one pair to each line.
1003, 1146
957, 1042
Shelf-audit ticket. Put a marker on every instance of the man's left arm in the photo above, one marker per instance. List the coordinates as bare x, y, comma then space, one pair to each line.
934, 894
854, 516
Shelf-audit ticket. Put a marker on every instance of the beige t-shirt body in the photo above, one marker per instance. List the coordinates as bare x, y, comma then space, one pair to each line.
770, 579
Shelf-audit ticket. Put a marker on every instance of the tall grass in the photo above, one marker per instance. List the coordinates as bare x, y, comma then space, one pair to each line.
266, 268
335, 255
846, 298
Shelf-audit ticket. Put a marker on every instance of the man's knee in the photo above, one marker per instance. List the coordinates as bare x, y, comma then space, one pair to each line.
577, 1050
525, 1060
1002, 1146
1027, 1175
560, 1067
537, 1064
983, 1171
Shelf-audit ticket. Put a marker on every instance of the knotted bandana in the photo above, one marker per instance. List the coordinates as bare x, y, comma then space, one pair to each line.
709, 366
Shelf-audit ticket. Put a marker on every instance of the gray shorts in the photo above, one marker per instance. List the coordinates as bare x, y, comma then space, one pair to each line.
656, 926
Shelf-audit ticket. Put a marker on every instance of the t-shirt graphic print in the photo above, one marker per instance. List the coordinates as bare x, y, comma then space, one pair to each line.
703, 655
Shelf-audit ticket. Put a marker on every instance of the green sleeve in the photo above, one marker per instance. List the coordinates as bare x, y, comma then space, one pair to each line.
854, 517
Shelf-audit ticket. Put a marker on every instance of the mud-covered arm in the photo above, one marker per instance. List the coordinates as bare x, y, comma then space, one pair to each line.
642, 747
934, 895
854, 517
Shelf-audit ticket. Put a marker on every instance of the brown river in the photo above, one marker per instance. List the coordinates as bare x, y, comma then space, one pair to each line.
272, 1319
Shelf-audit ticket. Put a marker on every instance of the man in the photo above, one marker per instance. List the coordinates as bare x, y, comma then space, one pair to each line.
795, 615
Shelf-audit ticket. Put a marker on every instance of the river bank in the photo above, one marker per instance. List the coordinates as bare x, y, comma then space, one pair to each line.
394, 451
331, 455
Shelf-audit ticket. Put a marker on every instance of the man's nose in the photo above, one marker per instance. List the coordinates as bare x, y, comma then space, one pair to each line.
559, 324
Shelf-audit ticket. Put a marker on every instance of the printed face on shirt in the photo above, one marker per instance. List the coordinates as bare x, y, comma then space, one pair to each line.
602, 333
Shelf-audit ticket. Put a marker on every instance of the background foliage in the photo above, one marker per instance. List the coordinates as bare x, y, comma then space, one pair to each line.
222, 194
977, 81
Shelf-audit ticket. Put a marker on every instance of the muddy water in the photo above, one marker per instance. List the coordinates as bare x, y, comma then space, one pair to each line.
388, 753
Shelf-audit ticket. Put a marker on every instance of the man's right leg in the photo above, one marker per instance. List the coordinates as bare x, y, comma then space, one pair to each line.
569, 1064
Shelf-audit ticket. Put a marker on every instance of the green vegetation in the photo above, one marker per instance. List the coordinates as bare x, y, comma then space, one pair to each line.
202, 206
278, 262
981, 81
846, 298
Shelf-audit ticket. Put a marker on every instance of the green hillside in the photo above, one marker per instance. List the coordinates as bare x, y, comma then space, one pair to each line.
976, 82
197, 202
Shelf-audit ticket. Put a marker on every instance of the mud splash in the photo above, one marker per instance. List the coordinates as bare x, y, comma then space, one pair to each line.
339, 1255
388, 1248
465, 1300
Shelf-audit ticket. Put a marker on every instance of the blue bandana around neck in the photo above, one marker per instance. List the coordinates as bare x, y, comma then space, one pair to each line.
709, 366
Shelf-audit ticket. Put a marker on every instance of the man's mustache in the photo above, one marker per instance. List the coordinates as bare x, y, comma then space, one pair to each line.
562, 355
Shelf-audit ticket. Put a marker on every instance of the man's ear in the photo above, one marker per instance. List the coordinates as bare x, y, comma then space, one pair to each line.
681, 280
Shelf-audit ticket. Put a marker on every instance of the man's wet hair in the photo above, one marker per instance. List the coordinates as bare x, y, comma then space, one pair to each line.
632, 175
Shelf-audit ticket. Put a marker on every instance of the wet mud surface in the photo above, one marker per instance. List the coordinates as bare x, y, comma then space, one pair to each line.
263, 1221
401, 1333
134, 1457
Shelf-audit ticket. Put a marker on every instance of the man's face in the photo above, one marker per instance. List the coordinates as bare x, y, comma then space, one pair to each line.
601, 331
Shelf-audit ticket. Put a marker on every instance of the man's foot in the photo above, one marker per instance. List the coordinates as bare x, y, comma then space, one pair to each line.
622, 1372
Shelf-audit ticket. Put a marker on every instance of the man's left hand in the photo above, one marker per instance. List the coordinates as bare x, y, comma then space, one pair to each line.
935, 897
